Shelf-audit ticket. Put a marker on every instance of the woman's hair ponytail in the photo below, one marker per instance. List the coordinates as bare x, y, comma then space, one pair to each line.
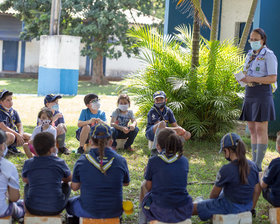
243, 166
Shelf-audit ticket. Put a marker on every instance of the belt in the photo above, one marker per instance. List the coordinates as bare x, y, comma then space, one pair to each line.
253, 84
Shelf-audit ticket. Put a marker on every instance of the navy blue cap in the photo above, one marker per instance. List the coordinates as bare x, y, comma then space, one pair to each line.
3, 137
99, 128
50, 98
3, 91
159, 94
230, 139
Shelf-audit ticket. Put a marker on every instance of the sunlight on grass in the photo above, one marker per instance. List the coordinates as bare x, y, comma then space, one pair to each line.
3, 83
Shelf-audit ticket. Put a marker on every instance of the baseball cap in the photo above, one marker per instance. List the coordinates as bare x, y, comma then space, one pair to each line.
159, 94
50, 98
3, 137
230, 139
3, 91
99, 128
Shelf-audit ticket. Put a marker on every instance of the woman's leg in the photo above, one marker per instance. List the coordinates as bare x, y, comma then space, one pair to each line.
262, 140
253, 134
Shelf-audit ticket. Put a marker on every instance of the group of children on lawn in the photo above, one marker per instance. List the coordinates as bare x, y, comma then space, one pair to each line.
100, 172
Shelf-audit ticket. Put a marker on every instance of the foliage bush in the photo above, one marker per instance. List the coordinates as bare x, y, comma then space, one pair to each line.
205, 100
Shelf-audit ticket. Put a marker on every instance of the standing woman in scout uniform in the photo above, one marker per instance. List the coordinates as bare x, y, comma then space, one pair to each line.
100, 175
258, 107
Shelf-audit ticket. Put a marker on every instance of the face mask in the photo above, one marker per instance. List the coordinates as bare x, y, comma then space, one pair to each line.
45, 122
95, 106
228, 159
123, 107
256, 45
159, 105
55, 107
6, 108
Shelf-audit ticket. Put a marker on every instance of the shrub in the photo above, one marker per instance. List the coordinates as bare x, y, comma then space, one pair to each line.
205, 101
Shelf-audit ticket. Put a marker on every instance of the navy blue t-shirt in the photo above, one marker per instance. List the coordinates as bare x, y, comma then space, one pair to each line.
272, 179
155, 115
44, 174
6, 119
59, 120
101, 194
169, 182
228, 178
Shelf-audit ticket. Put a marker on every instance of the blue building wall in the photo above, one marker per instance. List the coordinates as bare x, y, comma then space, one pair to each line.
267, 17
174, 17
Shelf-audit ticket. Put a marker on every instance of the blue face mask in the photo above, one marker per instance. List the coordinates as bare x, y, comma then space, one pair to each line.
55, 107
256, 45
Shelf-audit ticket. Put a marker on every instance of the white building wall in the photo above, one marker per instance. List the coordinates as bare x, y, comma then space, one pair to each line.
19, 57
32, 50
1, 54
233, 11
83, 60
123, 65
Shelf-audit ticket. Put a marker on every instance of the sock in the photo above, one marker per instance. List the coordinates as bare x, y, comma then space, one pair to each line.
261, 149
155, 139
61, 140
254, 149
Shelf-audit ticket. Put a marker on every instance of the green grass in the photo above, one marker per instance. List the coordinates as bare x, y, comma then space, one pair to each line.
30, 85
204, 164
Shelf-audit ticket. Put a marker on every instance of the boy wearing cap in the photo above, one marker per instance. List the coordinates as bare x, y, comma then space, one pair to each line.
10, 122
100, 175
46, 176
236, 187
160, 116
9, 185
88, 118
51, 102
270, 182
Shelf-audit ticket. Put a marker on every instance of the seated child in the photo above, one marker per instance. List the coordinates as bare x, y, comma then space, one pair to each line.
270, 183
9, 186
236, 187
46, 191
160, 116
45, 117
119, 121
51, 102
100, 175
88, 118
10, 122
166, 180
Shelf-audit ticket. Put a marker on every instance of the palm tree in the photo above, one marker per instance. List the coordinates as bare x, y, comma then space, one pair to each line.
248, 25
215, 20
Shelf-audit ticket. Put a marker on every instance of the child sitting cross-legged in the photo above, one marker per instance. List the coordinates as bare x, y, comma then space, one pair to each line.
270, 182
166, 178
46, 176
236, 187
88, 117
9, 185
100, 175
45, 117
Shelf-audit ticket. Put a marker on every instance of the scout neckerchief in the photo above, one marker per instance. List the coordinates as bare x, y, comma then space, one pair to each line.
10, 118
97, 164
160, 114
172, 159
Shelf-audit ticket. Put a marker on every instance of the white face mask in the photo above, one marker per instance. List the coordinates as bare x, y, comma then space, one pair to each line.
95, 106
6, 108
123, 107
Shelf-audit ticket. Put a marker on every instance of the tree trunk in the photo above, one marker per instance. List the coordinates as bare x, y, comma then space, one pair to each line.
97, 70
248, 25
215, 20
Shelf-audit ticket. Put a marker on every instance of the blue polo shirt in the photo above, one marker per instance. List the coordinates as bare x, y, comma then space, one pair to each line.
44, 174
59, 120
272, 179
156, 115
101, 194
6, 116
228, 178
87, 115
169, 182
